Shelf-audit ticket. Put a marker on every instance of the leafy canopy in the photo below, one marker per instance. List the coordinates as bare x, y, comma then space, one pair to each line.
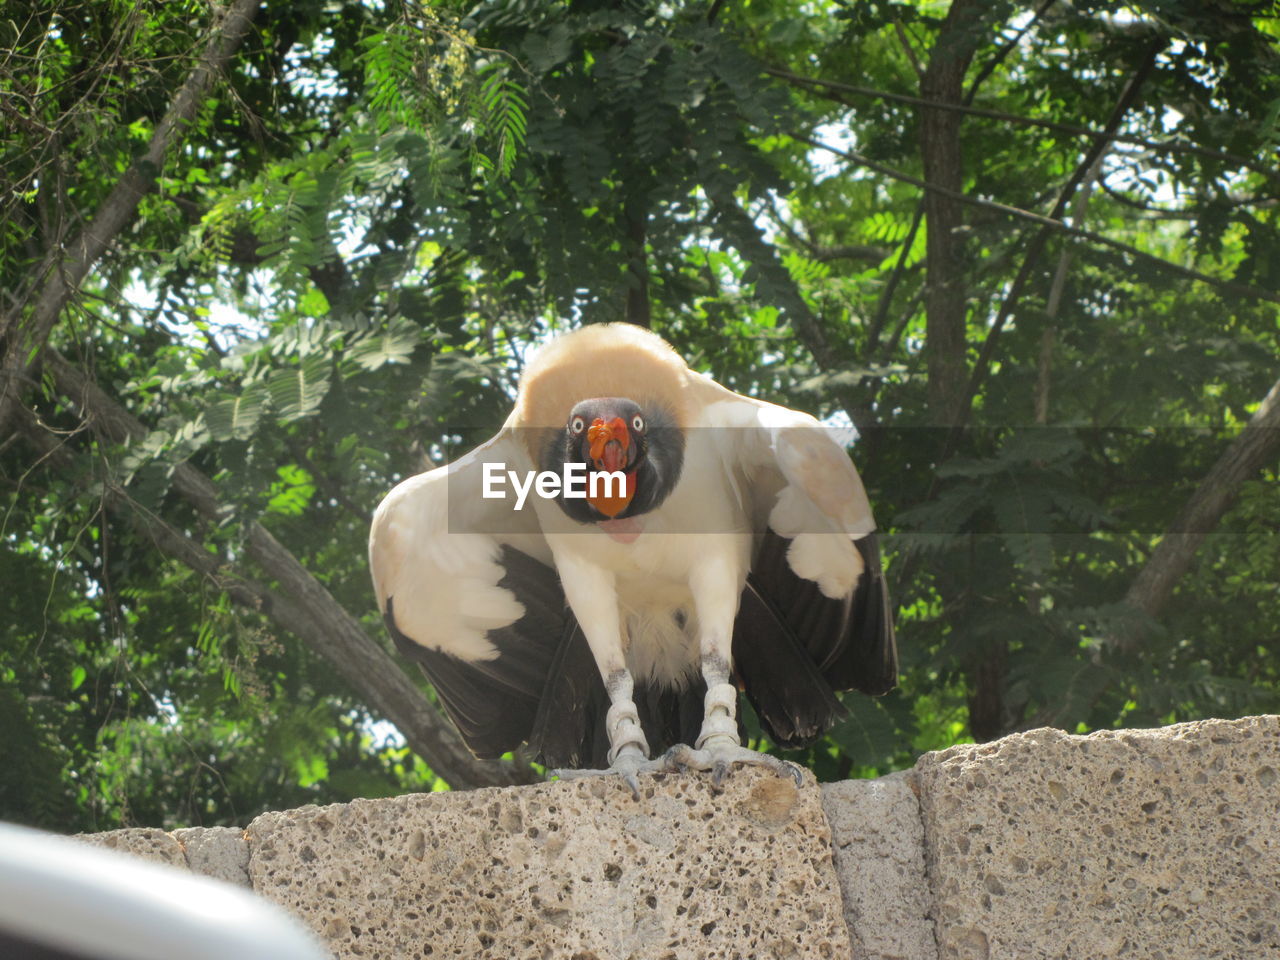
381, 207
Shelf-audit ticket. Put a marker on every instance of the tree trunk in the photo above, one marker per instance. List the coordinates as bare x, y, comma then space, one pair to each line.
636, 214
945, 308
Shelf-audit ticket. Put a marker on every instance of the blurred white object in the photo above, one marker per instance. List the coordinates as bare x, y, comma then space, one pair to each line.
63, 899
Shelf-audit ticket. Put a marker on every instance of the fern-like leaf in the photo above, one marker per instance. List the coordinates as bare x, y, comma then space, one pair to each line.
505, 116
236, 418
297, 393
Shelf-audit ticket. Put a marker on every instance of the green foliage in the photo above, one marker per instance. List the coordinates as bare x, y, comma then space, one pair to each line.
236, 418
504, 116
340, 272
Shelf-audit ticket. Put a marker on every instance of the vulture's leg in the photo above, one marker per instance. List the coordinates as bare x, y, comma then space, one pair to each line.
715, 594
591, 593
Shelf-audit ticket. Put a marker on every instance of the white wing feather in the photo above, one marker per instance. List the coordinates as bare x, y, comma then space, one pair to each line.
442, 578
802, 485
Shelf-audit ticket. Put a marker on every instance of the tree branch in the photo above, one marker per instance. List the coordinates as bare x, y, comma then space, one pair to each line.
741, 230
305, 608
907, 49
875, 328
1044, 366
831, 90
166, 538
24, 338
1038, 242
1000, 55
1257, 445
635, 215
1239, 289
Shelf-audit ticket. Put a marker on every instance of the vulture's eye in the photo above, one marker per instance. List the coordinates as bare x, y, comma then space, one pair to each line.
577, 425
637, 423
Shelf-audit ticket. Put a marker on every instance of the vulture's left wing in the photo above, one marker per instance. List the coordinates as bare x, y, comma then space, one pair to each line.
467, 588
815, 617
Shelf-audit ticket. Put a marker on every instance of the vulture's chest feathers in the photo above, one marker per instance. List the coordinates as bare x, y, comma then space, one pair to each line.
700, 523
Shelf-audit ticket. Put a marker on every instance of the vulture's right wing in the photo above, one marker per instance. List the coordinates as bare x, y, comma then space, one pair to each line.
467, 588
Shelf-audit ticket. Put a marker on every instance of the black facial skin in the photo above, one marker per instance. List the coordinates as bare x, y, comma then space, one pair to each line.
656, 454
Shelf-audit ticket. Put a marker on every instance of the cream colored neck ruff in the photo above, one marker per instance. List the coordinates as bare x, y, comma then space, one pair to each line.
603, 360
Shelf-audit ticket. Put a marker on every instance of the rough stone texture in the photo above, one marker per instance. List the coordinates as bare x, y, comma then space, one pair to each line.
575, 869
149, 843
219, 852
1161, 844
878, 844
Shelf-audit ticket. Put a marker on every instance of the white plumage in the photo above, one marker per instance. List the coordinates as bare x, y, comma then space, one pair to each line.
744, 553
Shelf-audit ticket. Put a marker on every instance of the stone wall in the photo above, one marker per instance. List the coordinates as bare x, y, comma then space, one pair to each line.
1161, 844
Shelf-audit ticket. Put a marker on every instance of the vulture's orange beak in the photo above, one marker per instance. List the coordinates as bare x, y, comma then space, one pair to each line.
609, 443
608, 446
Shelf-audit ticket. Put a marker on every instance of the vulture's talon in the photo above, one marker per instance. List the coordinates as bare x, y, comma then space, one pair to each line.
626, 768
671, 760
718, 773
719, 757
679, 758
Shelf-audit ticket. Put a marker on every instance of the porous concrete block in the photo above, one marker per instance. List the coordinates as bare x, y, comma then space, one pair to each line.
149, 843
576, 869
219, 852
878, 842
1128, 843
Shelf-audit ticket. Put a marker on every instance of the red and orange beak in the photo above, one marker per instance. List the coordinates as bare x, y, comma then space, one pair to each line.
608, 444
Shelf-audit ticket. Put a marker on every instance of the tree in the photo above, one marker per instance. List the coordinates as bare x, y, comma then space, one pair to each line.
259, 273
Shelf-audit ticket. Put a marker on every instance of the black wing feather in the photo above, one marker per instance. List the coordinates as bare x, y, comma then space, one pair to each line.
570, 727
793, 700
543, 687
867, 660
494, 703
794, 647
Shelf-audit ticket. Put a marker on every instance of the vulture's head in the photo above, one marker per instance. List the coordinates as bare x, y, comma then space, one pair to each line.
612, 435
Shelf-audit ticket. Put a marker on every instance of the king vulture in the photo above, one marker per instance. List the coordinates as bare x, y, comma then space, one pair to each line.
734, 551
